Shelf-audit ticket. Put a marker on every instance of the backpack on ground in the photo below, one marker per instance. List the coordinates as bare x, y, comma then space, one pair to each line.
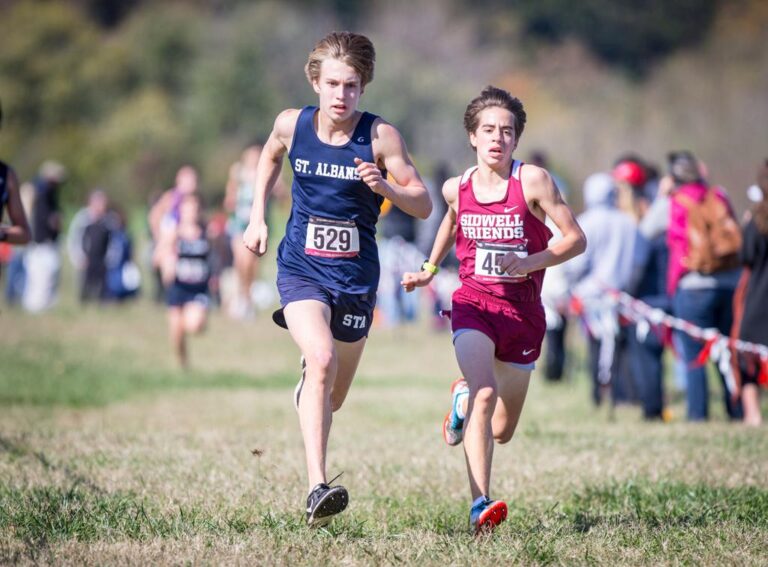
714, 236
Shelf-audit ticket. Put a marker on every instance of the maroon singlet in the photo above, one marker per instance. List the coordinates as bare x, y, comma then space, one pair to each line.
487, 231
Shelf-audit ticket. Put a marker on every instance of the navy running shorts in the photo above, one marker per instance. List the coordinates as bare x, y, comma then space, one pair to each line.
178, 295
351, 313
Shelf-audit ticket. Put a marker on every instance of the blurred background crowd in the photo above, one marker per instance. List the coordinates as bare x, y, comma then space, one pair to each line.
145, 104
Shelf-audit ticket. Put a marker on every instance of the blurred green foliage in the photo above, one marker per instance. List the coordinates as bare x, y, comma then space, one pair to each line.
123, 92
630, 35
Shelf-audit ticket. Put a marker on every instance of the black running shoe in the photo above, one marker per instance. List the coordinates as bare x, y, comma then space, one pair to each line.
324, 502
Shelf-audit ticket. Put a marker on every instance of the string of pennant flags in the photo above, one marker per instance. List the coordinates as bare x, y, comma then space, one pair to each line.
599, 316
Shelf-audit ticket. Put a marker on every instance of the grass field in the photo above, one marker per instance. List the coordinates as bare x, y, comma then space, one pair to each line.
108, 455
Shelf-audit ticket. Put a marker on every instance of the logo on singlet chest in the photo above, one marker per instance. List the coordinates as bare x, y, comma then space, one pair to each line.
492, 227
325, 169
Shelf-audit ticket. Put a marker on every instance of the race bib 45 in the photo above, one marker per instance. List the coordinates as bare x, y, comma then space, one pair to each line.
488, 257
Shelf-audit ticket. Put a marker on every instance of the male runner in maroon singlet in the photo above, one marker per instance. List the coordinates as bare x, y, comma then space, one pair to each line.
496, 214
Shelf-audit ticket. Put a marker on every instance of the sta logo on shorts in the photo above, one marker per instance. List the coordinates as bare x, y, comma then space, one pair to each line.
354, 321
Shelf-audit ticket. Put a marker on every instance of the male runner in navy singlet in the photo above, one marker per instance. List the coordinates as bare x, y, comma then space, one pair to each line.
328, 266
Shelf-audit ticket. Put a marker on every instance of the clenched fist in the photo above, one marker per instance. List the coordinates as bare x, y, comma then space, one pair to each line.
370, 174
255, 238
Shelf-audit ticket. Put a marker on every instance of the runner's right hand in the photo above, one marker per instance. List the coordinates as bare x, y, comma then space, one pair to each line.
412, 280
255, 238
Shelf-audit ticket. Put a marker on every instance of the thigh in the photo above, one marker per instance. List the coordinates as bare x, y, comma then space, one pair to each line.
308, 321
475, 355
195, 315
175, 316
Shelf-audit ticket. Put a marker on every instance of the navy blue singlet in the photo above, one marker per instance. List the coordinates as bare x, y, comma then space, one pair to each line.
331, 233
192, 270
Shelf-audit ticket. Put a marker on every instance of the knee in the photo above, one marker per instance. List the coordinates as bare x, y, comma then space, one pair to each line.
504, 436
336, 402
484, 399
197, 327
321, 362
194, 325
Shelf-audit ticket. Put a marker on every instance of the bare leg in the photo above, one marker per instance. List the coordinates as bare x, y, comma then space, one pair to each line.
245, 263
513, 386
178, 340
309, 324
195, 317
475, 354
750, 398
348, 356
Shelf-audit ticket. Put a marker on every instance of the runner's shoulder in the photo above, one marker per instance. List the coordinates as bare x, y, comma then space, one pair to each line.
451, 188
285, 124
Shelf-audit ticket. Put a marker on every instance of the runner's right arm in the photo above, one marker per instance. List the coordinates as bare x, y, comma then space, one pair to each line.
445, 239
267, 173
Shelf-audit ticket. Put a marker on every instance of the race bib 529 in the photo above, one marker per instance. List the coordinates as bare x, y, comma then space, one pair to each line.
331, 238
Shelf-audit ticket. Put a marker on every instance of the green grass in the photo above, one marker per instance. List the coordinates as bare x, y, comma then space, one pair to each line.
48, 373
637, 514
110, 455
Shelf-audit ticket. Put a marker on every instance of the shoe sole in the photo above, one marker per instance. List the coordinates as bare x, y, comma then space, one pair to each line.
333, 502
447, 440
491, 517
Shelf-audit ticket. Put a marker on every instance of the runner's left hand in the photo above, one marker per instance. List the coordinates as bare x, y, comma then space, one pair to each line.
514, 265
370, 174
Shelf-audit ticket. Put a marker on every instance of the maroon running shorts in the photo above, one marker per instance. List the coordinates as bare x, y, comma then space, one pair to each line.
517, 329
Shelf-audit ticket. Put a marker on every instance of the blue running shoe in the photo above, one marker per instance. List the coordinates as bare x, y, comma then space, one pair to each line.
486, 514
453, 425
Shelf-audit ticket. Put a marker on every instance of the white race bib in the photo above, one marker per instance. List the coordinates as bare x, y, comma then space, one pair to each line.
330, 238
488, 259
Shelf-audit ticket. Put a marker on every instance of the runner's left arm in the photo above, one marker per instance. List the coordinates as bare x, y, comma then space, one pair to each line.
539, 188
408, 192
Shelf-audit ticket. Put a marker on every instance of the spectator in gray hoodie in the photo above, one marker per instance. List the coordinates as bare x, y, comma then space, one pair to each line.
608, 263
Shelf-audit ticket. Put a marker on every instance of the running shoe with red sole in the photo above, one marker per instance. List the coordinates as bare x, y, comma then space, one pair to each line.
486, 514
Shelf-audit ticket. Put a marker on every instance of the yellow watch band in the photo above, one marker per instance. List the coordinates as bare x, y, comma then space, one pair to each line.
431, 268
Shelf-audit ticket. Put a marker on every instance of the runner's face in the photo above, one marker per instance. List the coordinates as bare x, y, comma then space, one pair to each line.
186, 180
495, 136
189, 211
339, 89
